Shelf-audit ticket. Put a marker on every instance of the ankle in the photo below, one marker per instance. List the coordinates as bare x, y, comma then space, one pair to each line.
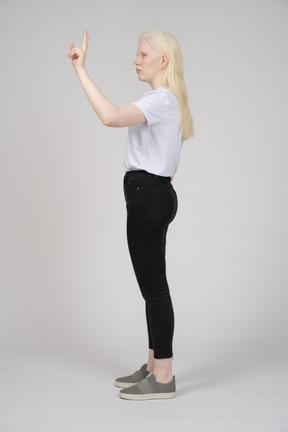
149, 367
162, 369
150, 362
162, 376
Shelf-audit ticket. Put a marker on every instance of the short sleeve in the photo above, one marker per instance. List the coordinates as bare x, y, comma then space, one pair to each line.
154, 105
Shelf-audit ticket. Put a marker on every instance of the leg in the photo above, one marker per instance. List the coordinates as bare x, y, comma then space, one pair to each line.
147, 254
149, 213
161, 368
150, 362
147, 311
150, 340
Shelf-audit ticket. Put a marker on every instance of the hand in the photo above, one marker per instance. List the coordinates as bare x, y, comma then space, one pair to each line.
78, 55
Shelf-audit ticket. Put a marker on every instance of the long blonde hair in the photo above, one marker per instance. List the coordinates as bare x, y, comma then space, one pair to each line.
164, 42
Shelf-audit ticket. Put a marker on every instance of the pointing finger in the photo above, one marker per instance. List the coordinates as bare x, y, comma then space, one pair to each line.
85, 41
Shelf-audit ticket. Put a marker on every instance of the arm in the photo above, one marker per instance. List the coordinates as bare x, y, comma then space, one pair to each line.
107, 111
173, 176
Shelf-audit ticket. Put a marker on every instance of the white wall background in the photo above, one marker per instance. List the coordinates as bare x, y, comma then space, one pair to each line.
67, 284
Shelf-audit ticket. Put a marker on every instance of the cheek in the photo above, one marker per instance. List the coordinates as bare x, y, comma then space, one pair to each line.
151, 67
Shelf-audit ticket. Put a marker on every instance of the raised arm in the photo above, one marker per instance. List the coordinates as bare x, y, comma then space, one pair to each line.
110, 114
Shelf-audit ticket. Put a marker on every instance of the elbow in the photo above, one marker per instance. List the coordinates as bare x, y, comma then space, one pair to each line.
110, 119
106, 121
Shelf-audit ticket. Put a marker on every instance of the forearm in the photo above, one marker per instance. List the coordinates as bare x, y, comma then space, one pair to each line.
173, 175
104, 108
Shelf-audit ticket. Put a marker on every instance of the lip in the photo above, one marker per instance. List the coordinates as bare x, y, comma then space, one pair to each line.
138, 70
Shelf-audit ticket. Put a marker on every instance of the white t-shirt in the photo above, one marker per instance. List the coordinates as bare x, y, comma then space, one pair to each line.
155, 145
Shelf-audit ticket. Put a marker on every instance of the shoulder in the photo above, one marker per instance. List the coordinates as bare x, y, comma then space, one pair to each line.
159, 93
154, 104
164, 95
161, 96
154, 99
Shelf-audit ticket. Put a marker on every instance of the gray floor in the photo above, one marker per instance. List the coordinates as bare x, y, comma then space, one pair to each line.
65, 393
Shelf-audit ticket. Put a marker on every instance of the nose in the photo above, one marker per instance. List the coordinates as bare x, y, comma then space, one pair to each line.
136, 61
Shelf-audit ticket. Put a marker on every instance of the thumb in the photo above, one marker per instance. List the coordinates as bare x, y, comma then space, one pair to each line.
72, 46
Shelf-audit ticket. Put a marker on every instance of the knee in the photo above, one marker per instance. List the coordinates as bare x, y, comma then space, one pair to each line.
159, 298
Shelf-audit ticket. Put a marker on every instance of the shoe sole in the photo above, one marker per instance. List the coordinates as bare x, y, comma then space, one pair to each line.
123, 384
148, 396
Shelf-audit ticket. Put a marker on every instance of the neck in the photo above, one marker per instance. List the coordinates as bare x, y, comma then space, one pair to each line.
157, 82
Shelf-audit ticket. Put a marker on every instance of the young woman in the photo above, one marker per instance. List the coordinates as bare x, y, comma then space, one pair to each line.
158, 123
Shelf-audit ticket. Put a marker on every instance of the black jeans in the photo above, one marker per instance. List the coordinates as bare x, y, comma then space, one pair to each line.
151, 203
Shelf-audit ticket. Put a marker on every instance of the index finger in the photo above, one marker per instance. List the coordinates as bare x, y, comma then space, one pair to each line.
85, 41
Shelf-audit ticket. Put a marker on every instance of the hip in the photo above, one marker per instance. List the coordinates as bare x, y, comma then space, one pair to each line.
149, 196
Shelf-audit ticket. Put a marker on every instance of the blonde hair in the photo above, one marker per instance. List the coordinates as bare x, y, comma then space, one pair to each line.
165, 43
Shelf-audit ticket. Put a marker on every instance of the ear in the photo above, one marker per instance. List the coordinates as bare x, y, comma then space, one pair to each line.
164, 60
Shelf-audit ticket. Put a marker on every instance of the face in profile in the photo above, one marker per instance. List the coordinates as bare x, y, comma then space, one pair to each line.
148, 62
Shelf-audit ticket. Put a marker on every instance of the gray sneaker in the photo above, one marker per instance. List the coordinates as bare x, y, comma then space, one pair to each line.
149, 388
131, 380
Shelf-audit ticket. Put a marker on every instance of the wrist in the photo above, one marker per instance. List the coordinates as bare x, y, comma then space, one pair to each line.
80, 71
